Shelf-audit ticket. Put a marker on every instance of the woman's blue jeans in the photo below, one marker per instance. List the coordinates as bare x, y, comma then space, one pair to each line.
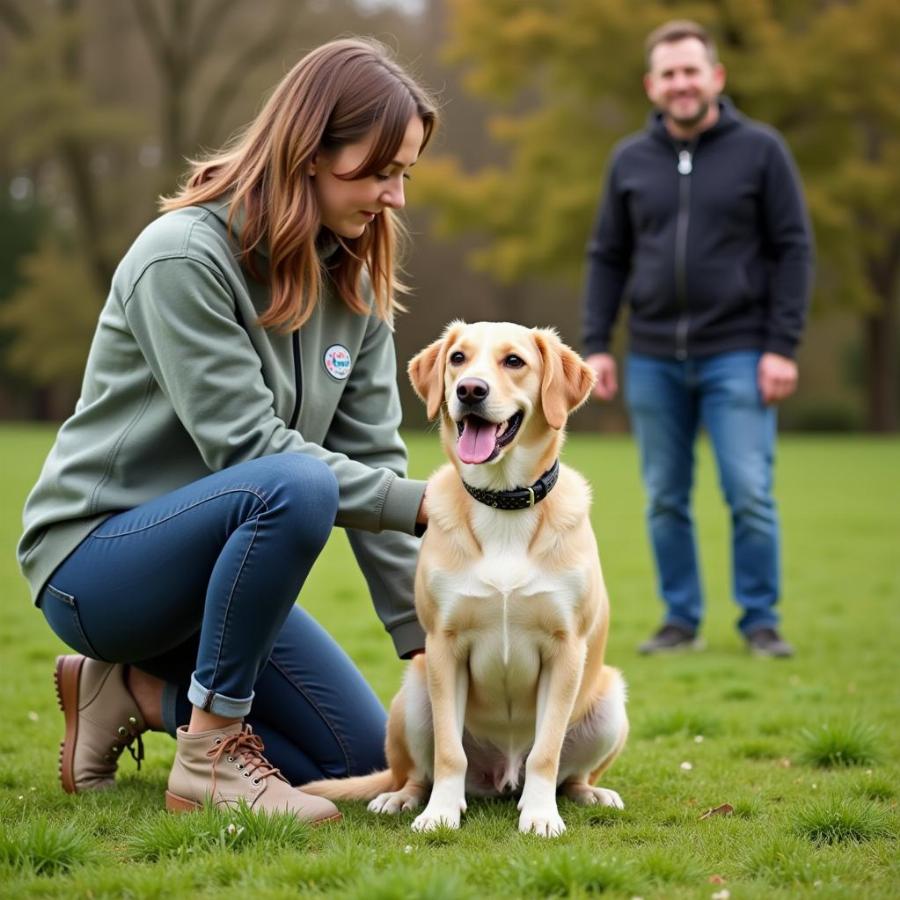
198, 587
668, 401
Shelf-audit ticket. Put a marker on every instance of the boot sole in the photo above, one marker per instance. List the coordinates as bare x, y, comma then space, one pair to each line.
693, 646
768, 654
66, 676
176, 804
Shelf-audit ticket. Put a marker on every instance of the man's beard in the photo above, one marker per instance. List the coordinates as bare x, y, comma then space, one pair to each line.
695, 119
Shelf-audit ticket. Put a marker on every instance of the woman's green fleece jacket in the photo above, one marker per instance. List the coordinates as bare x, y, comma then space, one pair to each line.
181, 382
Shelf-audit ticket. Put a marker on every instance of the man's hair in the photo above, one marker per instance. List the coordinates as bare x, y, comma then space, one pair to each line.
678, 30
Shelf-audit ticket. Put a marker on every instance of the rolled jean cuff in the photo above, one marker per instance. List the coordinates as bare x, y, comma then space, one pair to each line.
218, 704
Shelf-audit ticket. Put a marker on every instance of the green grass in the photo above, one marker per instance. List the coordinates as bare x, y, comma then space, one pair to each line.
838, 820
165, 835
806, 751
43, 847
841, 744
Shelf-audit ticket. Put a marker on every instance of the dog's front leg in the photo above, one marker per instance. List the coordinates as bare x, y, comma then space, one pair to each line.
558, 686
448, 687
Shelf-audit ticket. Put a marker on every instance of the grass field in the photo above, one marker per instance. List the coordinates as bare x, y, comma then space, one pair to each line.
806, 751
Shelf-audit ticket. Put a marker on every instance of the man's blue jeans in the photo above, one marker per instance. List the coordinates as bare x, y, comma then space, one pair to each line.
197, 587
668, 401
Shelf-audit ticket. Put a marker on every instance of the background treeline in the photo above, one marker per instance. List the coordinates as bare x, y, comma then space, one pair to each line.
101, 102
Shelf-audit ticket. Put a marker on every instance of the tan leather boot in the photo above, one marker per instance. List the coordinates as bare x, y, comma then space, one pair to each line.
227, 765
102, 719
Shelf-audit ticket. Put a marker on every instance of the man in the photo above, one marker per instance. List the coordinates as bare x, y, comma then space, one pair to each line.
703, 232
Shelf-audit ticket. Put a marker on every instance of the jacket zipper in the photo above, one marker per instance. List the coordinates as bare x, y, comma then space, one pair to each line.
685, 168
298, 379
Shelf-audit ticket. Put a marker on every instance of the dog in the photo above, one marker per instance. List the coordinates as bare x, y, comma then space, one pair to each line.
512, 694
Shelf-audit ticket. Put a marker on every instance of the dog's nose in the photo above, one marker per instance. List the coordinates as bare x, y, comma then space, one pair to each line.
472, 390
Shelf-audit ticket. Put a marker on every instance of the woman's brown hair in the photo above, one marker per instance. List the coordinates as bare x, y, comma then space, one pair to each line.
336, 95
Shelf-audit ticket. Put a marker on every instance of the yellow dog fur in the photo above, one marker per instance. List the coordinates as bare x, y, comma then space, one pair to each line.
513, 603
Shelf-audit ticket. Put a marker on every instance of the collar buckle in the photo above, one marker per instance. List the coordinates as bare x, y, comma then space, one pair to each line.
517, 498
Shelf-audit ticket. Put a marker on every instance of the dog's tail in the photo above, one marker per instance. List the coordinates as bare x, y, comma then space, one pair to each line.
360, 787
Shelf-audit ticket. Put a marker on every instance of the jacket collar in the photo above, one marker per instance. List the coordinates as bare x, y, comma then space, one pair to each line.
729, 118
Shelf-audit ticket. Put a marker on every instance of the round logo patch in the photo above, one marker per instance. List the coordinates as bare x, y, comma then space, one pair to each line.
337, 361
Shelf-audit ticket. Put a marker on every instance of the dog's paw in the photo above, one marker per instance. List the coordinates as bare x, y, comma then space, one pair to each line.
542, 822
432, 818
394, 802
445, 806
587, 795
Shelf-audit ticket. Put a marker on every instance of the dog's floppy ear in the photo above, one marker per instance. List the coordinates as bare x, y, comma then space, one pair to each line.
426, 370
567, 378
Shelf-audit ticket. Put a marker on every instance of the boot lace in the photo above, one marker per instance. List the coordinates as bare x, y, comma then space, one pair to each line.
248, 748
128, 734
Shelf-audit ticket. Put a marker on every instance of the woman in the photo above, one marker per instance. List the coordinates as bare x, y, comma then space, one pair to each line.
239, 399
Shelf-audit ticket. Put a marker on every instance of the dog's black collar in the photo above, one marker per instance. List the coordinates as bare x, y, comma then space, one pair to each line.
518, 498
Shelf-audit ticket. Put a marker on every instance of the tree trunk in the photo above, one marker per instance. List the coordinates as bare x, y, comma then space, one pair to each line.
881, 329
84, 191
75, 158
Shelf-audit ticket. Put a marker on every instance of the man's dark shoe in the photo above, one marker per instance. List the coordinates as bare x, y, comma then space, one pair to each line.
671, 637
768, 642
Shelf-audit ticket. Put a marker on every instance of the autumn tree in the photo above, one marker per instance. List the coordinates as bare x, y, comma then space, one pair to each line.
60, 141
568, 76
100, 106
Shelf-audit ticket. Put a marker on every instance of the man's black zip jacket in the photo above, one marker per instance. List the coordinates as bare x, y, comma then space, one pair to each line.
708, 242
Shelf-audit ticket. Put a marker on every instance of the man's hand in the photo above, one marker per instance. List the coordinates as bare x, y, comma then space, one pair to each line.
604, 365
776, 377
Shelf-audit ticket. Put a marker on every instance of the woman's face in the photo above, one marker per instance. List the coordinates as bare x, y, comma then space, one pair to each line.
347, 207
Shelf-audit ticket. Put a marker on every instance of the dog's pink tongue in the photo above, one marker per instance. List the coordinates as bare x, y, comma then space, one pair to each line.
477, 441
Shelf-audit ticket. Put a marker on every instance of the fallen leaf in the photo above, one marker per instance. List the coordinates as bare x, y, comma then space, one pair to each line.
726, 809
716, 879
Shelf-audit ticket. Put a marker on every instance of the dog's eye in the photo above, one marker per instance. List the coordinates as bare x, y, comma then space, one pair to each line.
457, 358
513, 362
